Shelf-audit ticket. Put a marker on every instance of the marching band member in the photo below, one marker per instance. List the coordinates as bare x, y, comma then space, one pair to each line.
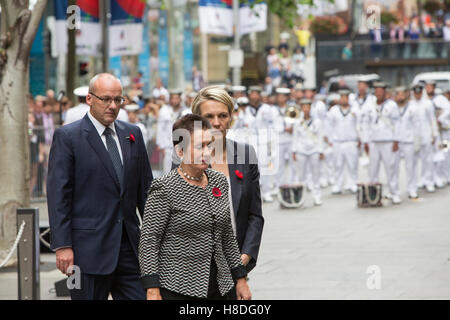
307, 149
319, 111
441, 107
281, 152
168, 114
379, 126
427, 135
408, 130
344, 119
363, 95
238, 125
258, 119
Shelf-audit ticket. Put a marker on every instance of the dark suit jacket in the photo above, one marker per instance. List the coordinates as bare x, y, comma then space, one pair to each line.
87, 207
246, 197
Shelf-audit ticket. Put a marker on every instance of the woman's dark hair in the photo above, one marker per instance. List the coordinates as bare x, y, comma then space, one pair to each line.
188, 123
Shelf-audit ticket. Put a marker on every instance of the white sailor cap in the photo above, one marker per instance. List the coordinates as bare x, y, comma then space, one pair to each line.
238, 88
254, 88
242, 100
310, 87
344, 92
305, 101
176, 91
380, 84
131, 107
81, 91
400, 89
192, 94
283, 90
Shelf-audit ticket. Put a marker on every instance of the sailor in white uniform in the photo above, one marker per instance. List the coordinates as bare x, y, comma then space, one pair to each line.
319, 111
80, 110
441, 107
258, 120
363, 96
407, 136
344, 137
282, 151
379, 132
307, 150
167, 116
426, 139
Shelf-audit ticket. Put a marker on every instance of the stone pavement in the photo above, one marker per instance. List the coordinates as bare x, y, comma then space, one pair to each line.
325, 252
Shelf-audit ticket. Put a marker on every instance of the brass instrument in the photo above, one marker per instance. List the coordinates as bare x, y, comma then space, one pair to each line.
292, 112
444, 146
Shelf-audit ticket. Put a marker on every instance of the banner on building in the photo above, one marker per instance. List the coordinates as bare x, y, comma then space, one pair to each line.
323, 7
252, 19
126, 29
85, 18
216, 17
144, 59
163, 48
188, 48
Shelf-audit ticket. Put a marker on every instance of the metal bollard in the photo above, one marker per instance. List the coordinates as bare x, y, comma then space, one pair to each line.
28, 255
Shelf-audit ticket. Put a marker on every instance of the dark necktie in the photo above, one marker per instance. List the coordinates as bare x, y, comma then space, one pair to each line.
113, 151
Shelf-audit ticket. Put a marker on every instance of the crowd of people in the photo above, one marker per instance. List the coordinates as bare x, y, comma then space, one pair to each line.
398, 34
301, 137
311, 140
250, 145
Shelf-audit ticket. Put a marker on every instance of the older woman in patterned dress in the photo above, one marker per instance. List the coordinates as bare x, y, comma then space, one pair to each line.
187, 247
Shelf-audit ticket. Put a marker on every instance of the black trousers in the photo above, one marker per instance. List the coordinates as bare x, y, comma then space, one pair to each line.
123, 283
213, 289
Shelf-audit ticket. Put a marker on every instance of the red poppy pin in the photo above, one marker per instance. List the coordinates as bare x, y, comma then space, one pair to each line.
239, 174
216, 192
131, 138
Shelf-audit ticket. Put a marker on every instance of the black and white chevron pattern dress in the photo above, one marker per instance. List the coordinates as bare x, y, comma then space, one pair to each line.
184, 227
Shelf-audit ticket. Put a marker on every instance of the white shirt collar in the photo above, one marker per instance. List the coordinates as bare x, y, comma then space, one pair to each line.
99, 126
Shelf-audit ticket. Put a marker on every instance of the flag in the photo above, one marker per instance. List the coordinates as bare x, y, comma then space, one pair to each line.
85, 17
252, 19
126, 29
216, 17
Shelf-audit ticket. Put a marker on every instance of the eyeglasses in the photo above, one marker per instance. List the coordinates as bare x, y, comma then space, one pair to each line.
107, 100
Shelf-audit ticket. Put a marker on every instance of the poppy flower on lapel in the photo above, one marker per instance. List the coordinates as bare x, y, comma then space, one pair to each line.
216, 192
131, 138
239, 174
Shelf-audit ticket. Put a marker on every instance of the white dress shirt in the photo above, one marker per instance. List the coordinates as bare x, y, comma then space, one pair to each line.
101, 129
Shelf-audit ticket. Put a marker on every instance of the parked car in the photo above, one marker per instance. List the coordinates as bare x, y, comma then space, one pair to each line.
442, 78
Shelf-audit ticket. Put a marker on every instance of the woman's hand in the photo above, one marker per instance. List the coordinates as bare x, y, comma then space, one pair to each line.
153, 294
242, 290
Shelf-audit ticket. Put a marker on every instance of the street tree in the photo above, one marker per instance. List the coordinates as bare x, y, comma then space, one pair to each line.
18, 26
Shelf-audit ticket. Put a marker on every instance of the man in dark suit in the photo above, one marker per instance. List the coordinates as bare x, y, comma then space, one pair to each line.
99, 174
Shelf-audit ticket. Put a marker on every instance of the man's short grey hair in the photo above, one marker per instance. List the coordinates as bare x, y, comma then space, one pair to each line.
101, 75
